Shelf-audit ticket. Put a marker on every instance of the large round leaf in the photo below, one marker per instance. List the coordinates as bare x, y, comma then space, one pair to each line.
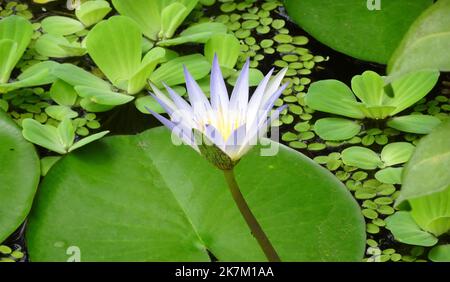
350, 26
140, 198
19, 176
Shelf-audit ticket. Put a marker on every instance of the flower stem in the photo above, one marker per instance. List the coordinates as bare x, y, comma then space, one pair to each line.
252, 223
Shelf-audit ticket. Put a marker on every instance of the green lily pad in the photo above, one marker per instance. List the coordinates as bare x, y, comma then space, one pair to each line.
19, 176
179, 207
406, 230
350, 26
425, 46
336, 128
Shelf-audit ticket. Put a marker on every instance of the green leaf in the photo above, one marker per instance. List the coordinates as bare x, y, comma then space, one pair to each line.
197, 33
179, 209
390, 175
91, 12
171, 72
60, 112
350, 27
57, 46
361, 157
87, 140
38, 74
432, 212
376, 112
66, 132
63, 93
46, 136
58, 25
47, 163
440, 253
396, 153
148, 102
333, 96
226, 47
149, 62
19, 176
103, 97
431, 157
425, 46
410, 88
171, 17
115, 46
77, 76
419, 124
405, 230
146, 13
8, 52
90, 106
18, 30
336, 129
254, 77
369, 88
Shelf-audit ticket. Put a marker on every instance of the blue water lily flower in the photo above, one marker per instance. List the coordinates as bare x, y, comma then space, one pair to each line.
232, 124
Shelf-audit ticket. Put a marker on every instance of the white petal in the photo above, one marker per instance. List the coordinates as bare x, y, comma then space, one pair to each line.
239, 97
219, 94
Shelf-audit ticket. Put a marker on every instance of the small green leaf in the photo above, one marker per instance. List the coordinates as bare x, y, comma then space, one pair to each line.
440, 253
376, 112
60, 112
47, 163
77, 76
390, 175
254, 77
57, 46
58, 25
226, 47
396, 153
88, 140
63, 93
171, 17
46, 136
171, 72
336, 129
197, 33
369, 88
103, 97
333, 96
419, 124
410, 88
361, 157
149, 62
148, 102
66, 132
406, 230
91, 12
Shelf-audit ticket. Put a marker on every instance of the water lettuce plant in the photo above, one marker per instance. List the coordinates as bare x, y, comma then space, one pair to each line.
428, 197
62, 34
376, 101
15, 35
115, 46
